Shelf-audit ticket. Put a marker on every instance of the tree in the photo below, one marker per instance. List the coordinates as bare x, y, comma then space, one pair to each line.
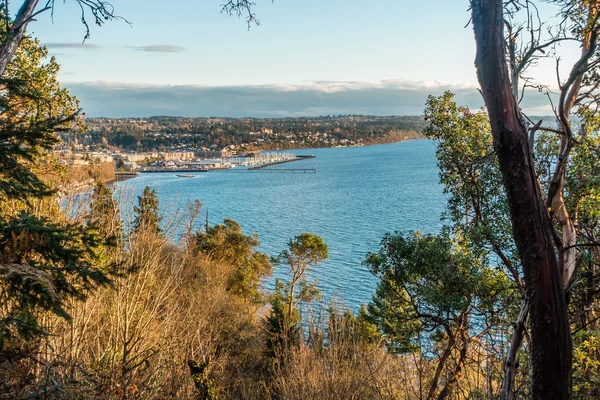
45, 258
543, 229
147, 218
477, 203
104, 213
282, 326
434, 293
478, 211
226, 243
35, 109
304, 250
282, 331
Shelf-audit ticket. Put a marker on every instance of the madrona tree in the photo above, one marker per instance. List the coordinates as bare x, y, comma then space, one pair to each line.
435, 296
511, 36
477, 208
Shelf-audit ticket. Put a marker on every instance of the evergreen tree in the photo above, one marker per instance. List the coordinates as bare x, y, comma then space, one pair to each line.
281, 330
104, 213
45, 258
147, 217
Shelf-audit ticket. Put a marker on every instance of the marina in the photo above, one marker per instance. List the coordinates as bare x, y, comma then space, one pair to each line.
248, 163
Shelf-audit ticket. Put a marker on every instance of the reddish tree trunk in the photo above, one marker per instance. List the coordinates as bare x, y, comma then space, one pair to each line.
551, 348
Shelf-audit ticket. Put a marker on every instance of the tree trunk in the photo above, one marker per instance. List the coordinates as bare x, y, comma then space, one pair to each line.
551, 348
445, 355
445, 392
512, 359
15, 33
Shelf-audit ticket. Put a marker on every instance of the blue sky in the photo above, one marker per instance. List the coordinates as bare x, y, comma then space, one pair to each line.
307, 57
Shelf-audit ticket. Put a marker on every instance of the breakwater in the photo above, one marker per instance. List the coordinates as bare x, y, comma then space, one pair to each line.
298, 158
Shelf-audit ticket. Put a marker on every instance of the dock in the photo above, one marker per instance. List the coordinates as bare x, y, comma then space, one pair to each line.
287, 170
162, 169
298, 158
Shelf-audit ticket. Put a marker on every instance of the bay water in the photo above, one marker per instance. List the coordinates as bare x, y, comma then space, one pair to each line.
356, 195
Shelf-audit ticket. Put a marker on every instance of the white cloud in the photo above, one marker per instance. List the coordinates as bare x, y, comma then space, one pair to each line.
390, 97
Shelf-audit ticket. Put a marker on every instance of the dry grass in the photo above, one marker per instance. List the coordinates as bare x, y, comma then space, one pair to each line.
103, 172
138, 338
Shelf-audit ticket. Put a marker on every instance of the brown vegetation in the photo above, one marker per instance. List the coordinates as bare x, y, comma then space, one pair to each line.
103, 172
171, 327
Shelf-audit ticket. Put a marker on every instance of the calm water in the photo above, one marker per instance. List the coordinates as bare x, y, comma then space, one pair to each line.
356, 195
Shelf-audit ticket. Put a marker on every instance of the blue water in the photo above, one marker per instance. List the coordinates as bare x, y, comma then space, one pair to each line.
356, 196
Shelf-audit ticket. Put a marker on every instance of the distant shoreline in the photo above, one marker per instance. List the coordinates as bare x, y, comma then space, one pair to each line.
388, 139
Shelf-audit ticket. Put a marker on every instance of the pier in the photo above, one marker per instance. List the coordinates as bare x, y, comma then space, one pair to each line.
286, 170
177, 169
298, 158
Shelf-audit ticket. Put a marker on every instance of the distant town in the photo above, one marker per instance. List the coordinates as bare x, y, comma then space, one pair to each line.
158, 144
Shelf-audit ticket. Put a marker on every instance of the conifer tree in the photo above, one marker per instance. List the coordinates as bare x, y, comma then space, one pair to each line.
147, 217
281, 330
45, 258
104, 213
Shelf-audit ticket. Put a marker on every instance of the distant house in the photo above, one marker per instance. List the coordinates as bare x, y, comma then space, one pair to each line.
225, 153
130, 166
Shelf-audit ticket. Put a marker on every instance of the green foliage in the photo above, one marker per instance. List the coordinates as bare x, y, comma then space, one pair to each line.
282, 331
146, 213
586, 365
304, 251
582, 182
428, 285
204, 383
226, 243
282, 327
45, 260
42, 264
104, 214
34, 109
356, 330
469, 172
478, 208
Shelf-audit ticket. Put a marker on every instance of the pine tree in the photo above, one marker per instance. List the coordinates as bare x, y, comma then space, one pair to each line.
282, 331
45, 258
147, 218
104, 213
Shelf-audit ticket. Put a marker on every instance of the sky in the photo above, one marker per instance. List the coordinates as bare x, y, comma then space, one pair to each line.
307, 57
